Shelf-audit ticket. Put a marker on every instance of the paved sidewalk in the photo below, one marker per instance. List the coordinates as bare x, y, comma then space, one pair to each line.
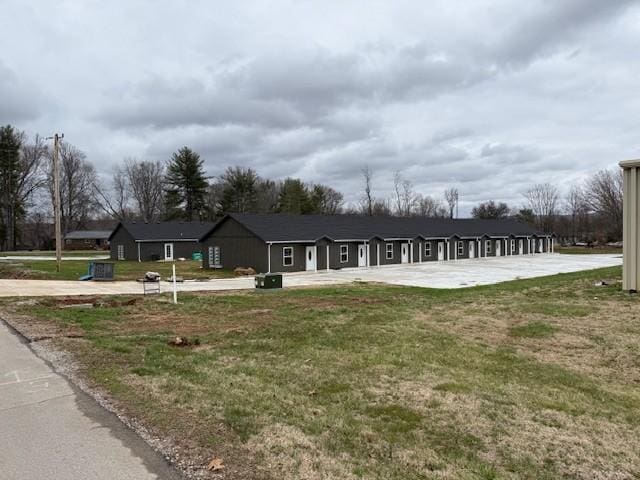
49, 430
453, 274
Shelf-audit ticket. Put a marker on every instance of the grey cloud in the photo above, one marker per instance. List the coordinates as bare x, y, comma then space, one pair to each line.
20, 100
551, 24
529, 92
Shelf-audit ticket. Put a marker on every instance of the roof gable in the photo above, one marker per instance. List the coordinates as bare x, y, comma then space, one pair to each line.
310, 228
173, 231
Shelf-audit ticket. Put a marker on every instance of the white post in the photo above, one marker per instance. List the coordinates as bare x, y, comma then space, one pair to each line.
315, 257
368, 252
552, 245
175, 291
268, 258
139, 252
410, 251
455, 250
419, 252
327, 257
378, 253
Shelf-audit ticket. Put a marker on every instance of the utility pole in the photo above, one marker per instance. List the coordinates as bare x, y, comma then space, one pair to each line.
56, 198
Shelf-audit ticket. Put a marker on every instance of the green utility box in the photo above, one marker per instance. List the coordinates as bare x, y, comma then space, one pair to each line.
269, 280
196, 256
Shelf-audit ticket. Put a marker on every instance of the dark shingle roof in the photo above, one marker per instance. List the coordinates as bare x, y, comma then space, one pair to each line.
175, 231
83, 234
279, 227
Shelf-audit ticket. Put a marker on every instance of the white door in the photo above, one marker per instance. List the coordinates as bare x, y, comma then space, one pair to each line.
472, 249
520, 247
440, 251
362, 255
168, 251
404, 251
498, 247
311, 258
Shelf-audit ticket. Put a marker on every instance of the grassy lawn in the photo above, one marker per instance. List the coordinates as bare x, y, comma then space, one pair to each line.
535, 379
587, 250
73, 269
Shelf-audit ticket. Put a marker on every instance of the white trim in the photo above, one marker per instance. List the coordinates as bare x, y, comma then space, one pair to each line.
283, 257
347, 252
386, 251
139, 257
169, 240
167, 257
419, 252
268, 257
378, 253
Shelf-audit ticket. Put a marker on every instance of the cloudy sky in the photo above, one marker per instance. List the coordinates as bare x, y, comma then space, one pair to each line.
487, 96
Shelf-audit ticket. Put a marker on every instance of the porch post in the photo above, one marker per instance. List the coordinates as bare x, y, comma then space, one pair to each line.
268, 257
455, 250
378, 253
327, 257
419, 252
139, 260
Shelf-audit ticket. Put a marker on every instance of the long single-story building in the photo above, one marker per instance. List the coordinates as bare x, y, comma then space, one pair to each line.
157, 241
87, 240
287, 243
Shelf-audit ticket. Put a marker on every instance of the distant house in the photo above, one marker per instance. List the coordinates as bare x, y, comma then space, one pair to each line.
87, 240
286, 243
157, 241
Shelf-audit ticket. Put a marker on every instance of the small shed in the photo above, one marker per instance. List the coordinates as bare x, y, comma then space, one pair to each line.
140, 241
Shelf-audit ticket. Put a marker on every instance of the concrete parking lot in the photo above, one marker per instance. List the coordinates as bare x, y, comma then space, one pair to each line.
453, 274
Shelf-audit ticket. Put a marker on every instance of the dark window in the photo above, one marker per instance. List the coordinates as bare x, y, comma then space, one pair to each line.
427, 249
389, 251
287, 256
344, 253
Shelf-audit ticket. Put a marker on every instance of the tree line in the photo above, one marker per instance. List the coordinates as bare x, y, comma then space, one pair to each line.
179, 189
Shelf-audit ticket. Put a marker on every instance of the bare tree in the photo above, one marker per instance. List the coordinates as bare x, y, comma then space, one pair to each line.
429, 207
77, 179
368, 198
577, 212
116, 201
603, 194
542, 199
32, 175
451, 196
405, 197
382, 208
145, 180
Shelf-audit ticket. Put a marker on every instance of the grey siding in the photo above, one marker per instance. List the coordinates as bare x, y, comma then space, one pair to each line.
122, 237
150, 250
238, 248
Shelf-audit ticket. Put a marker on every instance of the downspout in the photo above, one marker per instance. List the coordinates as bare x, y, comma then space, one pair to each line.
269, 257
